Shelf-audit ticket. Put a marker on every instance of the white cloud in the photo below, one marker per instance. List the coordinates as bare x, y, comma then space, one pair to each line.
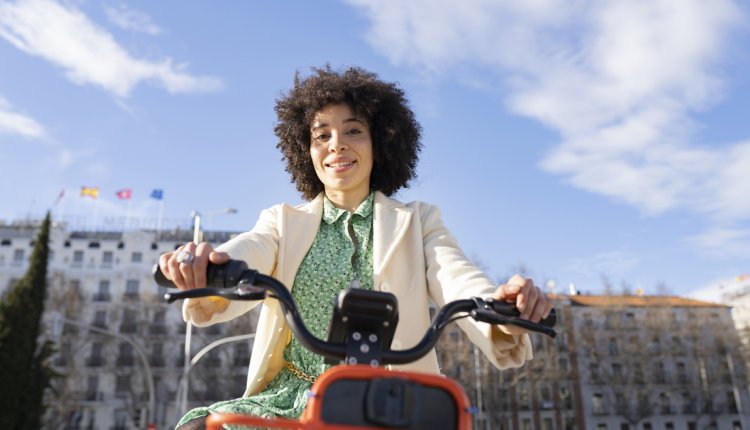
619, 81
129, 19
14, 122
611, 264
89, 54
723, 241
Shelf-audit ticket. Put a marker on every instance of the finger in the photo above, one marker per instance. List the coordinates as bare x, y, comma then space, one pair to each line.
164, 264
202, 252
527, 299
217, 257
173, 268
540, 308
186, 269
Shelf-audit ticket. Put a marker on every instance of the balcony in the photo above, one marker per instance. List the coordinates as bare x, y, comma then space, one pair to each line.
158, 329
102, 297
125, 360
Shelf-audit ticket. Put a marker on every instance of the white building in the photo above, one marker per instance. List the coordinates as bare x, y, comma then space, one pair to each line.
103, 280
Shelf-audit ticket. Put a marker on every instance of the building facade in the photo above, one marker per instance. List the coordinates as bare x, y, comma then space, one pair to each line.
618, 363
112, 329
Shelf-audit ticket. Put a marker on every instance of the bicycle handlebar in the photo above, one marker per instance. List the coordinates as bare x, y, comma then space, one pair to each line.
235, 281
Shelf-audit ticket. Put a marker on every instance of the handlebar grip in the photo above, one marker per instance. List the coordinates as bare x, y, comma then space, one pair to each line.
509, 310
217, 275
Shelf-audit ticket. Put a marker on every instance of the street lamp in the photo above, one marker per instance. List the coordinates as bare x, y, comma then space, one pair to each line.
197, 238
200, 355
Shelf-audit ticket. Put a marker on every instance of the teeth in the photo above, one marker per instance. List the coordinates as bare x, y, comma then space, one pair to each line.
341, 164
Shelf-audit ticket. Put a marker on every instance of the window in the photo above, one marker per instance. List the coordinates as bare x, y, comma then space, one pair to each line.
681, 372
103, 294
157, 354
92, 387
594, 369
688, 403
659, 374
646, 426
691, 425
241, 354
547, 424
6, 242
655, 344
159, 326
736, 425
107, 258
601, 426
731, 402
122, 385
131, 288
125, 357
565, 399
621, 402
617, 371
624, 426
563, 364
94, 244
546, 396
18, 255
523, 398
614, 347
664, 403
637, 372
78, 257
597, 404
100, 319
129, 324
669, 425
136, 257
95, 358
526, 424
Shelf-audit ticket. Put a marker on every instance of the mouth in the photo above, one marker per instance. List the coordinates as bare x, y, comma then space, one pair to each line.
340, 165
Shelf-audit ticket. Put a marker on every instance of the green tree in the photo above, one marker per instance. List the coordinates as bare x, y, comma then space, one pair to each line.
24, 368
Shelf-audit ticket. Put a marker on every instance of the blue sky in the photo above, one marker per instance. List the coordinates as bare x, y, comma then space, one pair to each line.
576, 139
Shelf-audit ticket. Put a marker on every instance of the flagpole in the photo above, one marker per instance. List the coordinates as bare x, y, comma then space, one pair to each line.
127, 214
160, 219
62, 206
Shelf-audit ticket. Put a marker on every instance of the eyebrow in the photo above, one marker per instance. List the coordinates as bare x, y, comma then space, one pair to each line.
318, 125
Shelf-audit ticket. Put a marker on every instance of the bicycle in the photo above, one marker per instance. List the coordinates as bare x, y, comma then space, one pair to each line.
360, 393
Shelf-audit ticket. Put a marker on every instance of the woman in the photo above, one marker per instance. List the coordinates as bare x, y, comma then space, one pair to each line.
349, 141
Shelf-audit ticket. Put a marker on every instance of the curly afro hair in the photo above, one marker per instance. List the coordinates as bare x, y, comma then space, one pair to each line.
394, 130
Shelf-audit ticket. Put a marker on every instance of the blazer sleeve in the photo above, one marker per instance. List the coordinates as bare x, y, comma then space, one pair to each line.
451, 276
259, 249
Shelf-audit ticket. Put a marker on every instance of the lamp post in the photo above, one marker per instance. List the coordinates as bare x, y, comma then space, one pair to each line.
200, 355
197, 238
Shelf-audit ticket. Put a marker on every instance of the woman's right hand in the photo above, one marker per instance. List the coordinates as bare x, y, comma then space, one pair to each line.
187, 275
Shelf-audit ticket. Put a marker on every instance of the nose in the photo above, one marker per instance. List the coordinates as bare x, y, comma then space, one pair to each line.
336, 143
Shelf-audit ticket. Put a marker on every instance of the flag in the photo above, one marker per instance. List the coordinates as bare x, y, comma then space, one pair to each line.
157, 194
92, 192
124, 194
59, 197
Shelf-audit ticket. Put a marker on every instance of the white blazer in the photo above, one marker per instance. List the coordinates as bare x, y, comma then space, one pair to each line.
414, 257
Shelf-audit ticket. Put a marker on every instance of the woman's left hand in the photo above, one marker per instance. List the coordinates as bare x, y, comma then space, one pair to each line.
528, 298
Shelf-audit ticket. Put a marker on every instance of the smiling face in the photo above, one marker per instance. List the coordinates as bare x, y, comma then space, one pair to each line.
341, 151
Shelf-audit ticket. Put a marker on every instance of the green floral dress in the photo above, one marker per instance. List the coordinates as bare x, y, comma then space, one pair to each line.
340, 256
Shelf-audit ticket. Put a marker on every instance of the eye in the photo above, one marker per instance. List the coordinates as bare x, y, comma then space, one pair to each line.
354, 131
322, 137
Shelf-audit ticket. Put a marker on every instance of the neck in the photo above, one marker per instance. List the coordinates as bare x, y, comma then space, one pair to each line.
347, 200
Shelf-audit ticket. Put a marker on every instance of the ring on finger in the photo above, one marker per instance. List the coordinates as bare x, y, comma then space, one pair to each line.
185, 257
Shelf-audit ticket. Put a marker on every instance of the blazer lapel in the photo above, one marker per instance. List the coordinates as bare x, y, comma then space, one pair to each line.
391, 221
298, 230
